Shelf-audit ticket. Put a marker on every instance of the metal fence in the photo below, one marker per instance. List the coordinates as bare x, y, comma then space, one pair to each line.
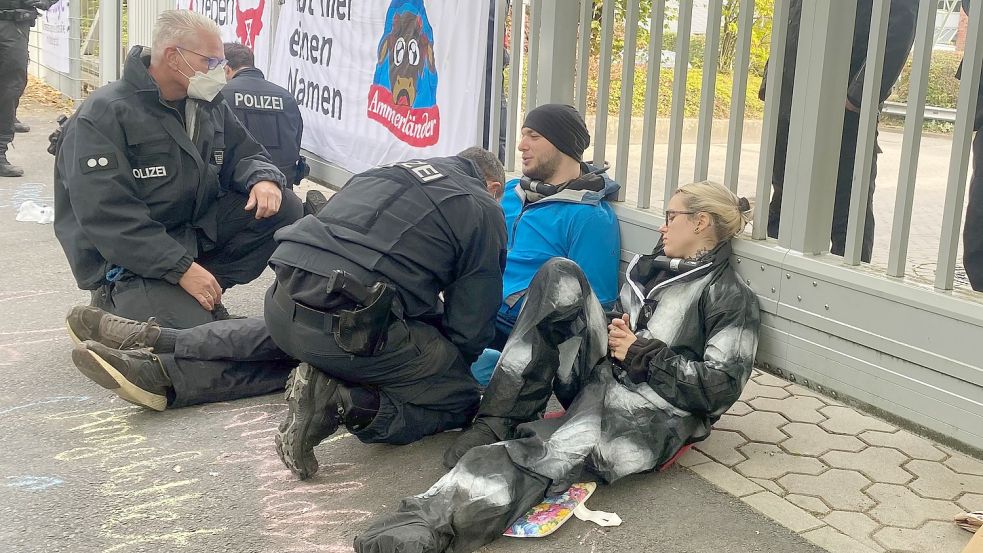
892, 335
97, 44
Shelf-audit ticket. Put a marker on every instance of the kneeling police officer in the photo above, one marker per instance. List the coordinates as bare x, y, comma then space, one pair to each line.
162, 199
387, 296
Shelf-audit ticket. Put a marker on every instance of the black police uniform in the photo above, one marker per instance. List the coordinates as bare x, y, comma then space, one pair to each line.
272, 117
900, 37
427, 229
16, 19
145, 187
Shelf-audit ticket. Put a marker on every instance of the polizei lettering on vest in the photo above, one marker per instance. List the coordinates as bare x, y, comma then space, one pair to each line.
256, 101
150, 172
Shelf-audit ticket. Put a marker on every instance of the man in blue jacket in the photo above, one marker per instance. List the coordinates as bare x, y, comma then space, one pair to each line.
557, 209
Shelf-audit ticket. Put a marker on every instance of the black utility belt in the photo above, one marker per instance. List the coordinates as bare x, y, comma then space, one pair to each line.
307, 316
359, 331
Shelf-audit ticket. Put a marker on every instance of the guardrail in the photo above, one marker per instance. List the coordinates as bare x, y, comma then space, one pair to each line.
931, 112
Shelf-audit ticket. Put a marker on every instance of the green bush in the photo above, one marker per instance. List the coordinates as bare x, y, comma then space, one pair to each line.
943, 86
694, 84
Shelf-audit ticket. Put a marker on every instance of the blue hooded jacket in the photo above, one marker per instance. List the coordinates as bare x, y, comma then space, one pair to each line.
576, 224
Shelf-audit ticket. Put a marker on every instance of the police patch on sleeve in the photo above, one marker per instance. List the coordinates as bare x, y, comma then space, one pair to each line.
98, 162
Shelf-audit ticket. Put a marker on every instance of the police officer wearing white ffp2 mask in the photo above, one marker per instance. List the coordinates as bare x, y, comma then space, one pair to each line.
162, 199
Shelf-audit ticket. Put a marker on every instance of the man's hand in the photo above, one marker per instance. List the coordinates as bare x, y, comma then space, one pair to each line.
851, 107
202, 286
620, 337
265, 198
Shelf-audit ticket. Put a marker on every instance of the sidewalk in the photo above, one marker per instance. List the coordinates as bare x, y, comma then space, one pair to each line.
85, 471
845, 481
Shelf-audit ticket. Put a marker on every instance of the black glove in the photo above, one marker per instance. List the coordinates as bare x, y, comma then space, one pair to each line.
54, 139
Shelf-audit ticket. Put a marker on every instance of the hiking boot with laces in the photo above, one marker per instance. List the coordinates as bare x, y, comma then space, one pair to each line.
318, 404
135, 375
91, 323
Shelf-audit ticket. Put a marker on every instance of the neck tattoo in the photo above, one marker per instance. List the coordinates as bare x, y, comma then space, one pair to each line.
700, 254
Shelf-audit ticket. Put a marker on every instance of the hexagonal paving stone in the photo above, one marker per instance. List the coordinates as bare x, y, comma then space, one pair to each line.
722, 446
856, 525
739, 409
939, 481
899, 506
965, 465
766, 379
795, 408
752, 390
913, 446
799, 390
840, 489
844, 420
809, 439
758, 426
769, 461
879, 464
934, 537
971, 502
812, 504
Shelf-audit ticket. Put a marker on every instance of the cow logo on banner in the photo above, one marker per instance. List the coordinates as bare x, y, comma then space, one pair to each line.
249, 23
403, 95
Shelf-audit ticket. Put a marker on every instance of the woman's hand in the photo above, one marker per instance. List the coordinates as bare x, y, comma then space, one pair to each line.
620, 338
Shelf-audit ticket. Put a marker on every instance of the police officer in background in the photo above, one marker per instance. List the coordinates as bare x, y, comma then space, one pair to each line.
267, 110
162, 198
16, 19
387, 296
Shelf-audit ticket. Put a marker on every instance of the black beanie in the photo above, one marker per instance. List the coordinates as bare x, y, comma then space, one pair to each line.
563, 126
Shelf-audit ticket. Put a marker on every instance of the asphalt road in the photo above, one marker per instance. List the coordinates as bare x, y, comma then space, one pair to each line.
83, 471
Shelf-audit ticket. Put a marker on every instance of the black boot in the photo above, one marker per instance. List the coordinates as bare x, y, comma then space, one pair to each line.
135, 375
21, 127
313, 202
479, 434
6, 169
318, 405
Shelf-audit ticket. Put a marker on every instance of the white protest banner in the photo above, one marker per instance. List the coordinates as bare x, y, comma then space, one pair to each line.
55, 37
243, 21
384, 80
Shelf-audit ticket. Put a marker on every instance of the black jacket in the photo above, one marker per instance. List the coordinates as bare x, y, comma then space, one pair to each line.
270, 114
697, 336
132, 190
978, 120
443, 236
900, 37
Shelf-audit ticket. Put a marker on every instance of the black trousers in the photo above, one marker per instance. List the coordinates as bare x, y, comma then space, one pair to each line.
973, 230
241, 253
13, 75
424, 385
844, 187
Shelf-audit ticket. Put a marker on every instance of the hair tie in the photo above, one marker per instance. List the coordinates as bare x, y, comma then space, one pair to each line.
743, 205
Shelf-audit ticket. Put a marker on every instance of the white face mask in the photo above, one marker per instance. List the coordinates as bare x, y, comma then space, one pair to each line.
204, 86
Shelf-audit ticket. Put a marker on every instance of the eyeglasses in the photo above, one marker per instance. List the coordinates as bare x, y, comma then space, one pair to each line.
213, 63
671, 214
